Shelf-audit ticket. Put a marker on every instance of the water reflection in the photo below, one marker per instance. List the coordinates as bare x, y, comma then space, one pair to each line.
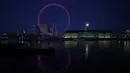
57, 64
104, 44
82, 43
98, 56
71, 44
127, 45
78, 57
86, 51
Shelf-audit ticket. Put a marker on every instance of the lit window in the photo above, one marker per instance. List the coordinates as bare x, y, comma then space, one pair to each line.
66, 36
101, 36
73, 36
107, 36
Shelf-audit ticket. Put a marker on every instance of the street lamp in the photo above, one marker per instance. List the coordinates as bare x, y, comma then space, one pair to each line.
86, 25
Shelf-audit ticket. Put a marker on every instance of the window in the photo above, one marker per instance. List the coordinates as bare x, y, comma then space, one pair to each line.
66, 36
107, 36
74, 36
71, 35
101, 36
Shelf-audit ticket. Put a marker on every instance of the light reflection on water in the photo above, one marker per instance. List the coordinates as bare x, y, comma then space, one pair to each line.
127, 45
101, 54
86, 50
78, 57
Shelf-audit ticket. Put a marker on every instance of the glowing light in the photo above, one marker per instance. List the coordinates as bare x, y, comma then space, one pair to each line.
70, 36
87, 25
67, 37
86, 50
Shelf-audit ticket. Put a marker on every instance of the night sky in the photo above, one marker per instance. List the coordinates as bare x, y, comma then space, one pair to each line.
101, 14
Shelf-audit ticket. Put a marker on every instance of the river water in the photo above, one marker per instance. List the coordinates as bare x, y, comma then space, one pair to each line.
82, 58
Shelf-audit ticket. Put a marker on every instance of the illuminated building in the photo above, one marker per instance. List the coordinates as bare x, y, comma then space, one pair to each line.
70, 34
4, 38
87, 34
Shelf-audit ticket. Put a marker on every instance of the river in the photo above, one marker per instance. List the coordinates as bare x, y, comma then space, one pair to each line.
83, 58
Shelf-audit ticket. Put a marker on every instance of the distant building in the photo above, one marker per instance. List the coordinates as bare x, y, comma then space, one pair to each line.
53, 30
128, 31
4, 38
88, 34
22, 31
45, 28
125, 34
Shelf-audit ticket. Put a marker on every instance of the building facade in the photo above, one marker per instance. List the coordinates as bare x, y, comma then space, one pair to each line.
87, 34
45, 28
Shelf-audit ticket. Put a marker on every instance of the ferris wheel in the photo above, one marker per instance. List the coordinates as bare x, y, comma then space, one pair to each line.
66, 28
58, 5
